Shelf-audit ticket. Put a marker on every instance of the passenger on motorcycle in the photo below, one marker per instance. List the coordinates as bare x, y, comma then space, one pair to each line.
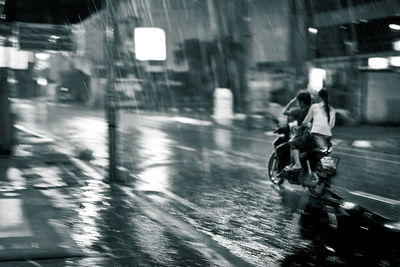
295, 116
322, 116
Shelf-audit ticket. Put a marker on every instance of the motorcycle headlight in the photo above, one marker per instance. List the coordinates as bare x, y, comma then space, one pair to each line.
393, 226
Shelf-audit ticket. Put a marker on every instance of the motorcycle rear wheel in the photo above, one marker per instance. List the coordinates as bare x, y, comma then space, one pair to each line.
273, 170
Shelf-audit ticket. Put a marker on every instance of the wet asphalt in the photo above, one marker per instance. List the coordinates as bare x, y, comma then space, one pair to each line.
191, 173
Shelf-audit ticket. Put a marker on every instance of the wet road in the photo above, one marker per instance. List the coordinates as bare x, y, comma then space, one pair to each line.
210, 177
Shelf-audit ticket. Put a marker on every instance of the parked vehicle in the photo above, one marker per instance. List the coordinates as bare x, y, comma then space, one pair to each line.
318, 168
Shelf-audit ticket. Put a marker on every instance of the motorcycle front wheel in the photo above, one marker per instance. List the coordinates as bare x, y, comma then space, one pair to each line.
273, 169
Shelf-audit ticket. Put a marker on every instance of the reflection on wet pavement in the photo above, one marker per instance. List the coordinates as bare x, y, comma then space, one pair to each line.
223, 138
212, 180
154, 150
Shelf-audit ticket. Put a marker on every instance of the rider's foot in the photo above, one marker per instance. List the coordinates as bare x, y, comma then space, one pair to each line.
288, 168
295, 167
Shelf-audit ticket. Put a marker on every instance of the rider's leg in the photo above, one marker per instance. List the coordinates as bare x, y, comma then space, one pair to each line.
296, 156
297, 145
283, 155
291, 159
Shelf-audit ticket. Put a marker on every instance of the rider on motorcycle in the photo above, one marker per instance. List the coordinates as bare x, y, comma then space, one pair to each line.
322, 116
298, 114
295, 115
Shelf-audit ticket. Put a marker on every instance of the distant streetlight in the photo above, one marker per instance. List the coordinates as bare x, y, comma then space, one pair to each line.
395, 27
312, 30
395, 61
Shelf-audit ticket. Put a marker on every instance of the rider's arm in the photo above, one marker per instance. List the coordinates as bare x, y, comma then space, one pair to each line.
332, 119
288, 106
309, 116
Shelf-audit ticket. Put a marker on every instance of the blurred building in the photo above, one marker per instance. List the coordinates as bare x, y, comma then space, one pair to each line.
355, 46
262, 50
209, 44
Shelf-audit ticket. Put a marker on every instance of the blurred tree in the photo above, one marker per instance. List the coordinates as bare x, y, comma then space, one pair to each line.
207, 68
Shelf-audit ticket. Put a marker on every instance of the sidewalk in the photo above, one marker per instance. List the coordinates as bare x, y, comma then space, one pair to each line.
55, 214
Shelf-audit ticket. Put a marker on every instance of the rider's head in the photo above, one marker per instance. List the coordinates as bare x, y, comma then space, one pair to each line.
323, 95
304, 98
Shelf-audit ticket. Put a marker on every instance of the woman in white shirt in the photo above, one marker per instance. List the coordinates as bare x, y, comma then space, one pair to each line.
322, 116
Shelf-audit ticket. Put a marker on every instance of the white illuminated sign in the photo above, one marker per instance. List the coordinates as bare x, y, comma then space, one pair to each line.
394, 27
378, 63
150, 44
13, 58
395, 61
396, 45
316, 78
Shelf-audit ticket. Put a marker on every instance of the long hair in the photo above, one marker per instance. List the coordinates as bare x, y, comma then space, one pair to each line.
323, 94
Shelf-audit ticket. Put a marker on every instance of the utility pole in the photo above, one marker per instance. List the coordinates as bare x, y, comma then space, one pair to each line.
5, 115
352, 53
297, 47
308, 22
5, 138
110, 52
247, 42
230, 25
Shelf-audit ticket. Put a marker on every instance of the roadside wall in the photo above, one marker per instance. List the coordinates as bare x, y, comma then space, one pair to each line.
382, 97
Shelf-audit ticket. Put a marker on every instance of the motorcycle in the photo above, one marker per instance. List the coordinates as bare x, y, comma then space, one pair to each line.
358, 236
318, 167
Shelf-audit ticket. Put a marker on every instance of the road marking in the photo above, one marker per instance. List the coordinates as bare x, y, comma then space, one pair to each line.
24, 129
14, 222
369, 158
362, 143
187, 120
367, 151
186, 148
377, 198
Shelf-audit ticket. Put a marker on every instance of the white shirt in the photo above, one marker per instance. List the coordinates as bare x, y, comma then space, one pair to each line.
320, 124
